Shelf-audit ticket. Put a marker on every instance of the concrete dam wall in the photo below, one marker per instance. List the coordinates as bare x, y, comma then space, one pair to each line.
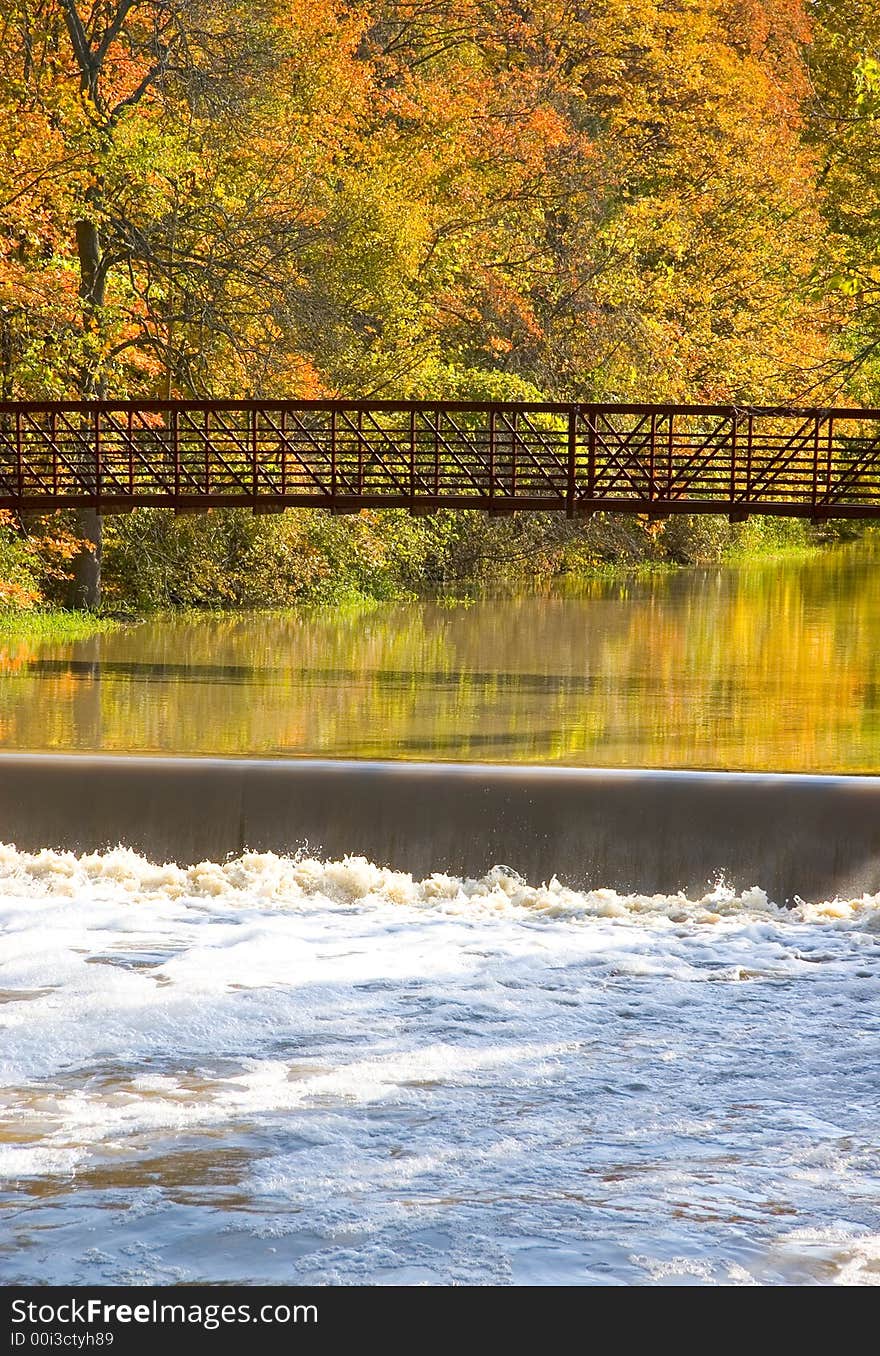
635, 830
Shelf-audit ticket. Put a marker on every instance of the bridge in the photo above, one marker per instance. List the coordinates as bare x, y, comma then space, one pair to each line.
346, 455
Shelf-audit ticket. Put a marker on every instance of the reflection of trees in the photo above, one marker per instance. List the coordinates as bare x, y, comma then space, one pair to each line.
771, 665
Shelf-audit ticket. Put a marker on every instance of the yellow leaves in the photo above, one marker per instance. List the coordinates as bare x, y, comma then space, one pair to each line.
333, 197
848, 284
867, 76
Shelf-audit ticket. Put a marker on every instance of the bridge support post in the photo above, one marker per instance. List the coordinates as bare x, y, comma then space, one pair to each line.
84, 591
571, 462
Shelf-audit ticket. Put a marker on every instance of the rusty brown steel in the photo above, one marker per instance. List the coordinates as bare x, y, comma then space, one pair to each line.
425, 455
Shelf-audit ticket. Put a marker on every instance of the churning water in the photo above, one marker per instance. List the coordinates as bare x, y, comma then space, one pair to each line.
280, 1070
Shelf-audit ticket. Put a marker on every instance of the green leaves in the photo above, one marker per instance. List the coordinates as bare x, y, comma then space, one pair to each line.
867, 79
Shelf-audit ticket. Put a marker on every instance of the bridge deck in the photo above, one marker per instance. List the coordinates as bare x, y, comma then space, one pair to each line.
344, 455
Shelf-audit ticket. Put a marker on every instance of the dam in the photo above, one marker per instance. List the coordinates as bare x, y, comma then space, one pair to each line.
635, 830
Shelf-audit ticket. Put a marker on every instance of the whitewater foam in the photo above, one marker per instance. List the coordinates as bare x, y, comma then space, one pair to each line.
266, 878
349, 1074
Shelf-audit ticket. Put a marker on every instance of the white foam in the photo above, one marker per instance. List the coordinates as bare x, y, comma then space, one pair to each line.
443, 1059
268, 879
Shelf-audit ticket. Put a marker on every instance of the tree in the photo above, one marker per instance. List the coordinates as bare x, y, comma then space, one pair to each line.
151, 179
844, 126
306, 197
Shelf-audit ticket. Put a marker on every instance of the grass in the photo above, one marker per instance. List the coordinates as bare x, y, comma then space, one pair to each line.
54, 625
782, 551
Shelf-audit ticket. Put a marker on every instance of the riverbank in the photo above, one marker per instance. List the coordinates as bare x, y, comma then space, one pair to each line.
155, 562
53, 625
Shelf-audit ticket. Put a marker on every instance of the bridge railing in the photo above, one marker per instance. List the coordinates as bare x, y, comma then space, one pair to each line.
346, 455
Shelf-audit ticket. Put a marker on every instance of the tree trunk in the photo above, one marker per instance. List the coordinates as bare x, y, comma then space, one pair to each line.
84, 591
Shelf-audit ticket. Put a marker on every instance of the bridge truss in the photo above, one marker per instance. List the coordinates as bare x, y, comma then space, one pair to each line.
345, 455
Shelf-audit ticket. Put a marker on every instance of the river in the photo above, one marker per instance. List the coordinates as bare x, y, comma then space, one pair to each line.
770, 665
277, 1069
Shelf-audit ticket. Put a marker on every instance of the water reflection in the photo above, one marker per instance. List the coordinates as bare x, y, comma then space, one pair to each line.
772, 665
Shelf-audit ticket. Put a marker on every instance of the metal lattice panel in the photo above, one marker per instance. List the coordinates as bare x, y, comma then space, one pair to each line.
344, 455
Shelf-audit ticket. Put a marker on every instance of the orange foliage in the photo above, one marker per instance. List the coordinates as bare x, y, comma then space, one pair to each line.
310, 197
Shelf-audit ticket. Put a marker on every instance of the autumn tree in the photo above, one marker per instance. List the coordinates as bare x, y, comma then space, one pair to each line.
156, 206
844, 127
635, 199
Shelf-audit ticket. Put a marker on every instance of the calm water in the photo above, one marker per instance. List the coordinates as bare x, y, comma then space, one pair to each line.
775, 665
